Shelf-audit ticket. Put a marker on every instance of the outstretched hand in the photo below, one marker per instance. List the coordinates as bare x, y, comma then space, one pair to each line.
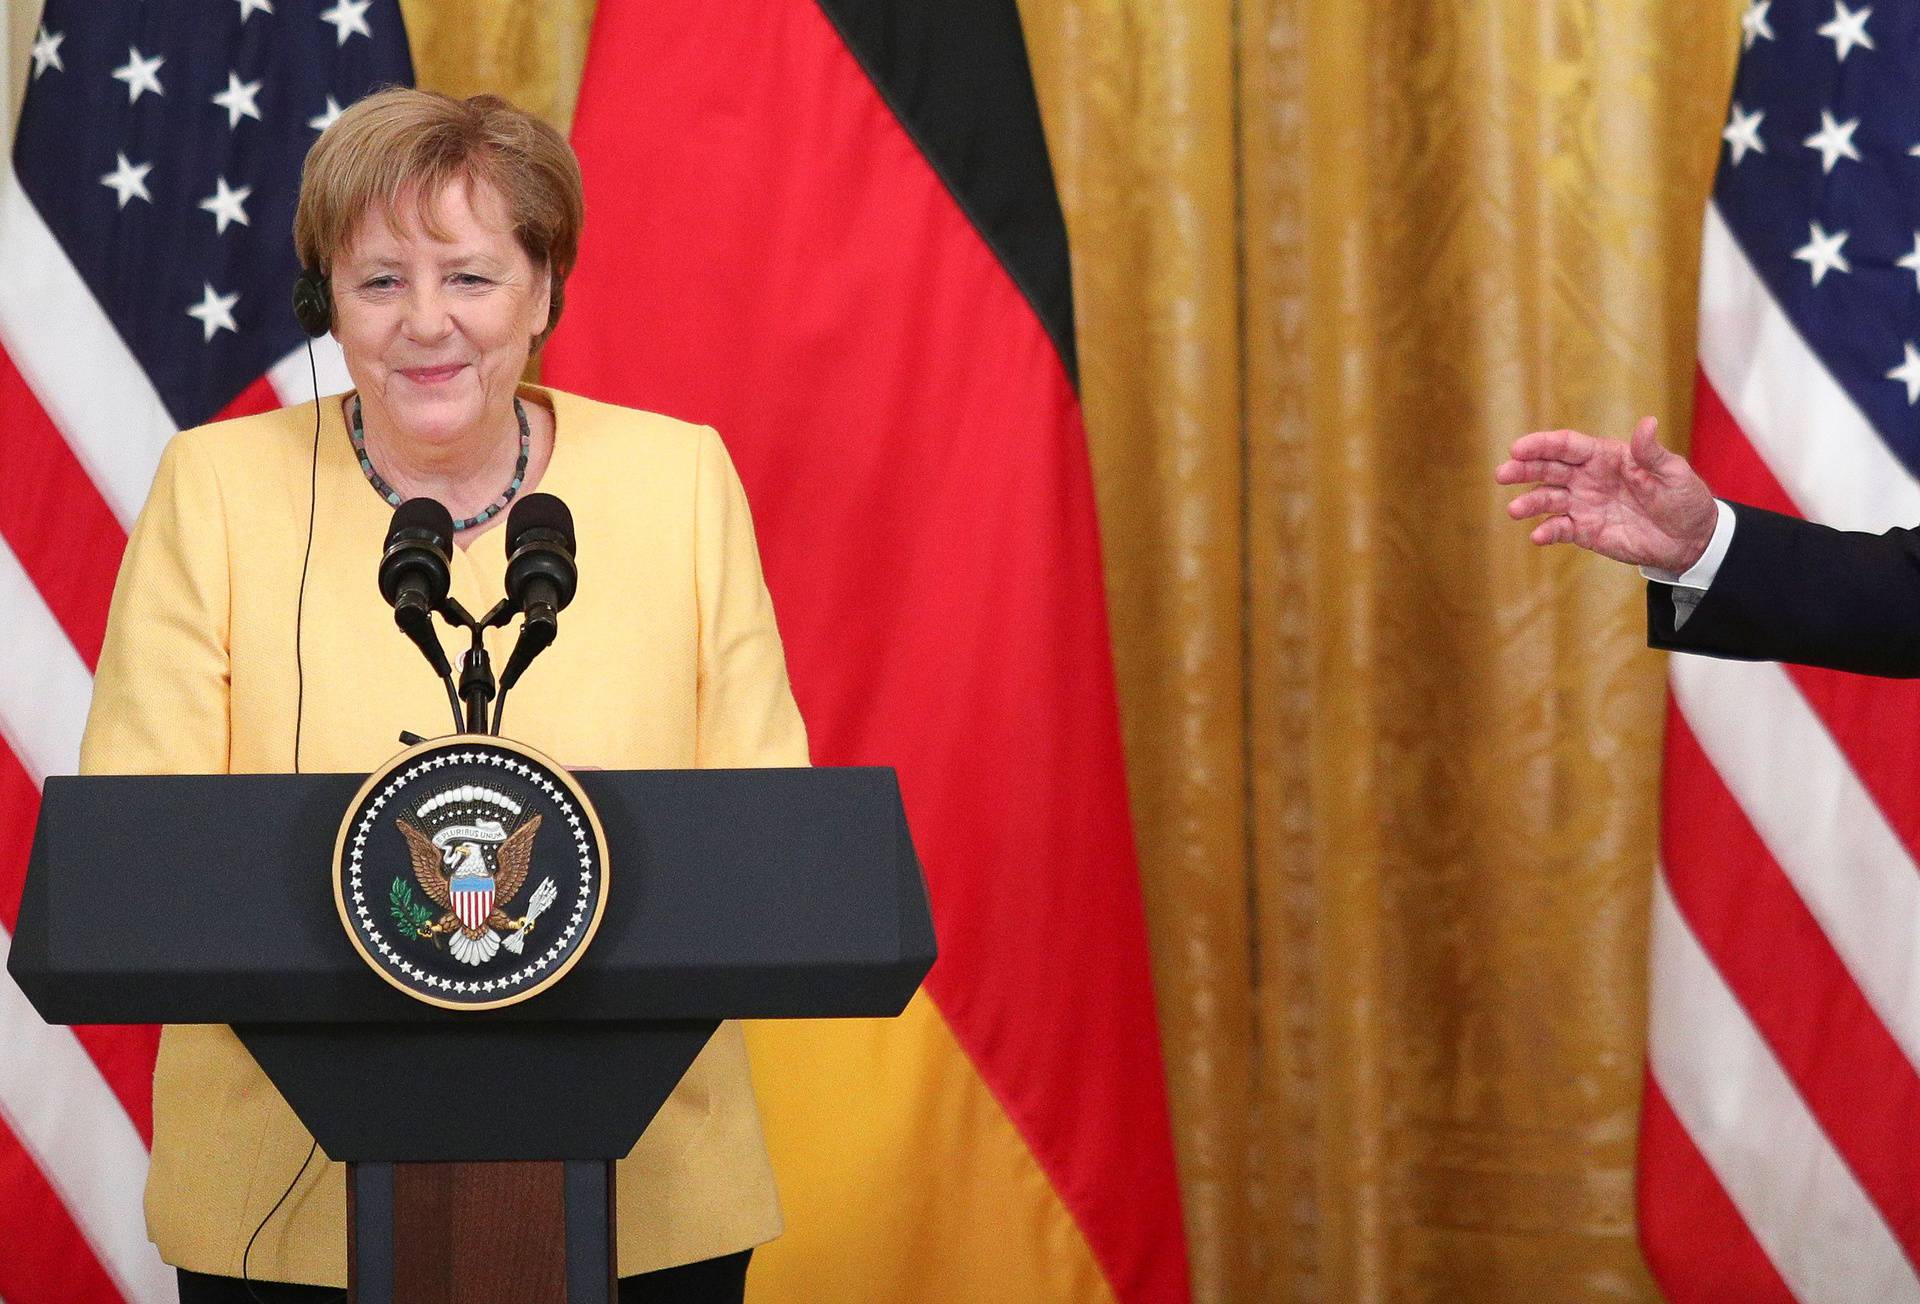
1635, 502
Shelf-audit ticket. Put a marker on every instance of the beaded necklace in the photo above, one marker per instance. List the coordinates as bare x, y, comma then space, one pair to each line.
392, 495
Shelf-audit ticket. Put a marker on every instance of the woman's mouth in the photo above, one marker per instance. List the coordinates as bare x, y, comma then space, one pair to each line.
432, 375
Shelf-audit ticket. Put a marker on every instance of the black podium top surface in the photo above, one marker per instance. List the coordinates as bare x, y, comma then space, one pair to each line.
732, 894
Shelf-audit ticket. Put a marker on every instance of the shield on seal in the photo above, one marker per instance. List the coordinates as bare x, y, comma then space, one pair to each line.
472, 898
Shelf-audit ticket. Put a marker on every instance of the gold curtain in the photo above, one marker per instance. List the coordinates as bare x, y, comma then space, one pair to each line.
1393, 772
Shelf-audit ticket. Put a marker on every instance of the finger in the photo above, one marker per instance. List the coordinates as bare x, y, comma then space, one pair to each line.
1555, 529
1540, 502
1555, 445
1646, 447
1538, 471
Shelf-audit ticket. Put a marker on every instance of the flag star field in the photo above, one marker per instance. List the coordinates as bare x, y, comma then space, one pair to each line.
162, 144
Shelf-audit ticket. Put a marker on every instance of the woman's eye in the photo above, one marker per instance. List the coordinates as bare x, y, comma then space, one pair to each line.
378, 283
469, 278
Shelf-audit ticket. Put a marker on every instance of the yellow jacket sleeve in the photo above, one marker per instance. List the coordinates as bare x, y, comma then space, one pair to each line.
160, 693
746, 712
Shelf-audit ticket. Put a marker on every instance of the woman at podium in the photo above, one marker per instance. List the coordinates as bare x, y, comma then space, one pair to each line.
247, 634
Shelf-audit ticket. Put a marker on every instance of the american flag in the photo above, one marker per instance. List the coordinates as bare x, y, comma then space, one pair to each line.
146, 262
1780, 1147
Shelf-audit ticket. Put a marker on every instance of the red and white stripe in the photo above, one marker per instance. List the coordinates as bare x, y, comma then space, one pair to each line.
85, 430
473, 904
1777, 1154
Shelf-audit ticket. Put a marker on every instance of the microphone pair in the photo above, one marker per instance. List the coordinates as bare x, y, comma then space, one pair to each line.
416, 579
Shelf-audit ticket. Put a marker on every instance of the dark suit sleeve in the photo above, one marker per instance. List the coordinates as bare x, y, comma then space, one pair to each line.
1790, 590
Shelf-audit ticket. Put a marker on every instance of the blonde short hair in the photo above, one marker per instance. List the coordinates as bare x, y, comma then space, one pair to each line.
402, 144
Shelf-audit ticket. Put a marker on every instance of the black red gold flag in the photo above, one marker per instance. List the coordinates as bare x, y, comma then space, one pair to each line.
828, 228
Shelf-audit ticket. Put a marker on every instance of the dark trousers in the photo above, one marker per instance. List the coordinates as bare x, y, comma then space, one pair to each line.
710, 1281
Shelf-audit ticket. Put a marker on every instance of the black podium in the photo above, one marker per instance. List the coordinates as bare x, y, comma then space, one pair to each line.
764, 894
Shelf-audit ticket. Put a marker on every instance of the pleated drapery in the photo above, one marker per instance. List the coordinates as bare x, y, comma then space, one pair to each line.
1394, 773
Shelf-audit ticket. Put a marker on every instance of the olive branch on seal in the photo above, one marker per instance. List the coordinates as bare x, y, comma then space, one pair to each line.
409, 915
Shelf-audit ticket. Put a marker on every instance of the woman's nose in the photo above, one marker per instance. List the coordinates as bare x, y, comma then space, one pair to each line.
427, 315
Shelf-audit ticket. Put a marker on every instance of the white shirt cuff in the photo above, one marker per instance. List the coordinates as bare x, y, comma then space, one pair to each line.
1700, 574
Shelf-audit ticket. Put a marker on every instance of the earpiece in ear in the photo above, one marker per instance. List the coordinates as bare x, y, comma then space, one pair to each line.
311, 306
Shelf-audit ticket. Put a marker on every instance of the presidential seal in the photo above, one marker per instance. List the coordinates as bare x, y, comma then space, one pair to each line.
470, 872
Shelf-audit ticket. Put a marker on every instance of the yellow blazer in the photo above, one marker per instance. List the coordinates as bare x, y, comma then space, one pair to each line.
668, 658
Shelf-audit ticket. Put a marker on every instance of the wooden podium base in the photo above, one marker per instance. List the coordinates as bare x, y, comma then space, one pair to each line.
480, 1233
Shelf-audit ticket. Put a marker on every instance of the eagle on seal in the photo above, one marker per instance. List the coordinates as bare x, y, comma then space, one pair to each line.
476, 939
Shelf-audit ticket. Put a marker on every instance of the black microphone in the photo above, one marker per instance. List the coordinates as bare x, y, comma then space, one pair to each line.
415, 573
541, 574
541, 578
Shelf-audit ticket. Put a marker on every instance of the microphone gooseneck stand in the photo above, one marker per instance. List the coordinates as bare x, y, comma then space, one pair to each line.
476, 668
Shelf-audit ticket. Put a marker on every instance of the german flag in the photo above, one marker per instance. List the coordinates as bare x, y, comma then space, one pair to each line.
829, 229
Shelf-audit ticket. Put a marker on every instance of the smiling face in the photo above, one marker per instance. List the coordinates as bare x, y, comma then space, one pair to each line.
437, 328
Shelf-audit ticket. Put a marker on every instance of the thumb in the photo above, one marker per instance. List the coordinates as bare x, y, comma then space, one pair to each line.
1646, 446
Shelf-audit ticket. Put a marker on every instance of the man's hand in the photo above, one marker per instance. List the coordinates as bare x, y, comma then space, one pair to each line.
1635, 502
